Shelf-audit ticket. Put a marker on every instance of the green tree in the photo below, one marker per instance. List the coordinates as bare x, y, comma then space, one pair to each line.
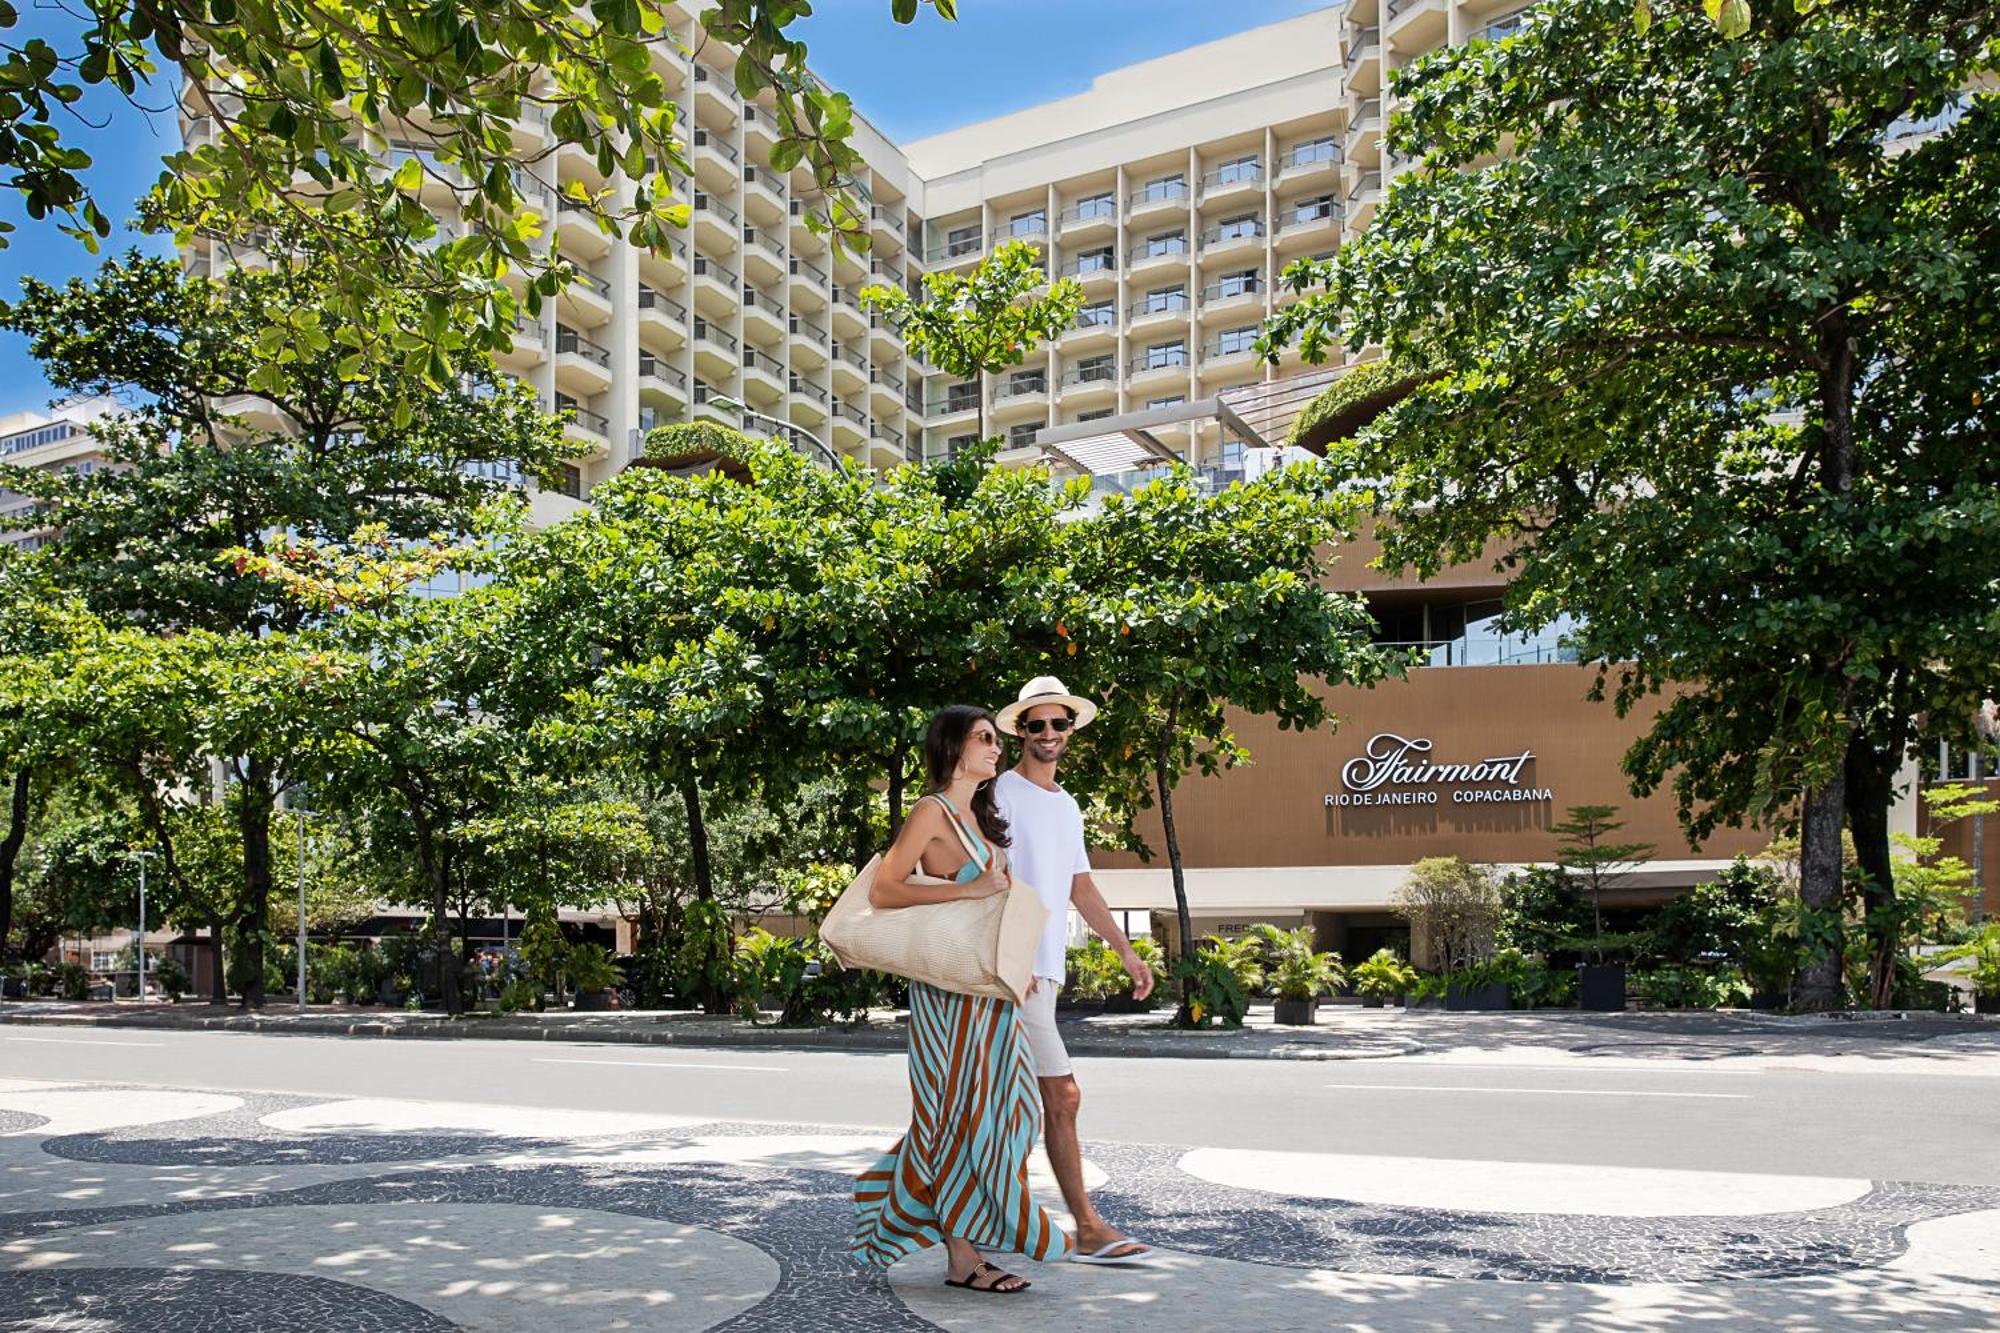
980, 322
1179, 607
1743, 398
293, 95
322, 445
1585, 852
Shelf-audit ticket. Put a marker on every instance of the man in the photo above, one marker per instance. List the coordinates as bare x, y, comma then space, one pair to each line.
1046, 829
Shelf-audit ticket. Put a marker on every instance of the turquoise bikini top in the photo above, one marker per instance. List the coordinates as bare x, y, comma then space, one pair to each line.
976, 865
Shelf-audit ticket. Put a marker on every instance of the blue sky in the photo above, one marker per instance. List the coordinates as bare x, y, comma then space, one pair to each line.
1000, 56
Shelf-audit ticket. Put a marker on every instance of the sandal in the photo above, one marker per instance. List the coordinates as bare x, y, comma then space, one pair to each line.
970, 1281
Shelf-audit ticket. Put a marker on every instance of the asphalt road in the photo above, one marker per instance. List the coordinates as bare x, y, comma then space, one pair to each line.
1886, 1125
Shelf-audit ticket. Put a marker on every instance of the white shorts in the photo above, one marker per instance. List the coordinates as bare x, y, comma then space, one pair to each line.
1038, 1025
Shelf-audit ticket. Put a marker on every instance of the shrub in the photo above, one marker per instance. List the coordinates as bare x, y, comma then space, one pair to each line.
1453, 908
1718, 921
1214, 986
802, 980
72, 981
1091, 972
1691, 988
1384, 974
590, 969
1306, 976
1242, 958
1153, 957
1542, 913
173, 978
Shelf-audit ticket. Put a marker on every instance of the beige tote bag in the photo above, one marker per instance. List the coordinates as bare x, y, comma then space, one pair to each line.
975, 946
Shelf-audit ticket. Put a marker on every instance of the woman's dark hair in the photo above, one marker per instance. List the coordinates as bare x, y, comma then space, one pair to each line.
944, 744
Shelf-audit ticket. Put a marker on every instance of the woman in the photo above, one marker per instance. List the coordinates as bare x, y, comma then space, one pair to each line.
960, 1175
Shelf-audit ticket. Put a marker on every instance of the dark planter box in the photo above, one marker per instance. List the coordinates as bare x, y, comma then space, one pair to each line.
1125, 1004
1767, 999
389, 994
1463, 999
13, 988
1080, 1007
1372, 1001
596, 1001
1430, 1002
1295, 1013
1986, 1004
1600, 987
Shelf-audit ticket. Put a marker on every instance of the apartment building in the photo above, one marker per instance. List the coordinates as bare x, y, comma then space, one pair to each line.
57, 440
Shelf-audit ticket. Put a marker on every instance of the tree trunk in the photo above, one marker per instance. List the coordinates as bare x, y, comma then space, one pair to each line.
1820, 983
10, 851
1871, 780
899, 758
254, 803
714, 1001
218, 980
437, 877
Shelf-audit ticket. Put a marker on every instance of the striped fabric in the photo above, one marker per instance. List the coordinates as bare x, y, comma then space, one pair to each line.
962, 1169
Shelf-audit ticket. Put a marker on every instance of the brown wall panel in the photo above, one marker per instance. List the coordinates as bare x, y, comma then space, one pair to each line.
1274, 813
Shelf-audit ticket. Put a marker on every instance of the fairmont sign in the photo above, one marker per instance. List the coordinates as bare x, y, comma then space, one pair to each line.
1399, 770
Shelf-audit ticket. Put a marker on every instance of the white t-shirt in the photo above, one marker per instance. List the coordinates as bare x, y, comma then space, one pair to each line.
1047, 832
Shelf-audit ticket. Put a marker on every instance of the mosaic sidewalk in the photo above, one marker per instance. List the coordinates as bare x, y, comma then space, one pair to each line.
143, 1209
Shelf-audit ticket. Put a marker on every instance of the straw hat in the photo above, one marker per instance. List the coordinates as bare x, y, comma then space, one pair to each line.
1046, 690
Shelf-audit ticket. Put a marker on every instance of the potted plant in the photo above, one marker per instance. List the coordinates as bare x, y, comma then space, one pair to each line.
1480, 987
173, 979
1299, 979
14, 982
1091, 967
1599, 863
1382, 976
1120, 1000
1984, 951
1427, 992
595, 977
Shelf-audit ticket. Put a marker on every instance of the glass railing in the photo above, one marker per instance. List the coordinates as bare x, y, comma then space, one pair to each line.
853, 358
1160, 303
850, 414
958, 249
951, 404
1248, 230
1164, 249
1084, 265
1097, 317
601, 286
754, 236
652, 298
708, 203
756, 175
1104, 373
1234, 173
1310, 154
1091, 210
812, 391
1361, 43
1367, 183
1398, 8
1025, 229
653, 367
1026, 386
707, 332
583, 416
805, 268
1367, 113
1231, 288
1159, 192
887, 219
764, 361
1166, 359
569, 340
1506, 650
811, 332
885, 380
704, 267
1236, 343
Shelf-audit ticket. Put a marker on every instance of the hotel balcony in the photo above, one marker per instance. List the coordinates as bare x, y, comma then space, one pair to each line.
1035, 231
1161, 198
661, 387
583, 368
848, 321
885, 223
764, 197
1362, 198
808, 401
530, 349
1232, 297
577, 231
764, 256
1300, 228
1236, 347
848, 426
1413, 27
1021, 391
764, 318
850, 369
1157, 310
586, 302
441, 182
717, 353
718, 288
1235, 181
663, 321
1087, 386
885, 340
885, 394
1151, 367
666, 268
1364, 130
1364, 59
1171, 254
955, 254
1095, 326
1307, 163
952, 408
765, 381
760, 129
706, 407
888, 448
810, 286
811, 343
1092, 217
714, 99
1097, 273
718, 228
1243, 237
582, 424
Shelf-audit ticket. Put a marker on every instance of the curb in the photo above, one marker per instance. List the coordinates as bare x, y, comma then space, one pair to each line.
1191, 1046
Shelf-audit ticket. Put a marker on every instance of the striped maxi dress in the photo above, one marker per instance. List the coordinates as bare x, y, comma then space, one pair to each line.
962, 1169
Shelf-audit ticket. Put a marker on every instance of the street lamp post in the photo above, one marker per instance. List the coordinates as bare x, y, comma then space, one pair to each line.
302, 908
139, 940
785, 428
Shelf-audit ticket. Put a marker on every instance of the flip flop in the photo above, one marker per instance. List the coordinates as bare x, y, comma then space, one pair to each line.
992, 1288
1103, 1257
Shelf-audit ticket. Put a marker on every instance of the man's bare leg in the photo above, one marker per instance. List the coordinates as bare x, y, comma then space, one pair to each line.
1061, 1099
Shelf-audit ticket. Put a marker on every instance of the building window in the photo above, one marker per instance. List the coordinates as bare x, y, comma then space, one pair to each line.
1321, 149
1028, 381
1095, 206
1166, 354
1167, 243
961, 240
1239, 284
569, 480
1102, 315
1237, 171
1100, 260
1098, 415
1237, 228
1172, 400
961, 397
1172, 186
1096, 367
953, 444
1023, 435
1232, 452
1166, 298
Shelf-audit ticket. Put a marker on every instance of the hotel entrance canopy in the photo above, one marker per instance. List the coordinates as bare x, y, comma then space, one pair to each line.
1259, 416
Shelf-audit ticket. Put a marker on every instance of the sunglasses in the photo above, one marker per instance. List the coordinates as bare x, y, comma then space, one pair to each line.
1035, 726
